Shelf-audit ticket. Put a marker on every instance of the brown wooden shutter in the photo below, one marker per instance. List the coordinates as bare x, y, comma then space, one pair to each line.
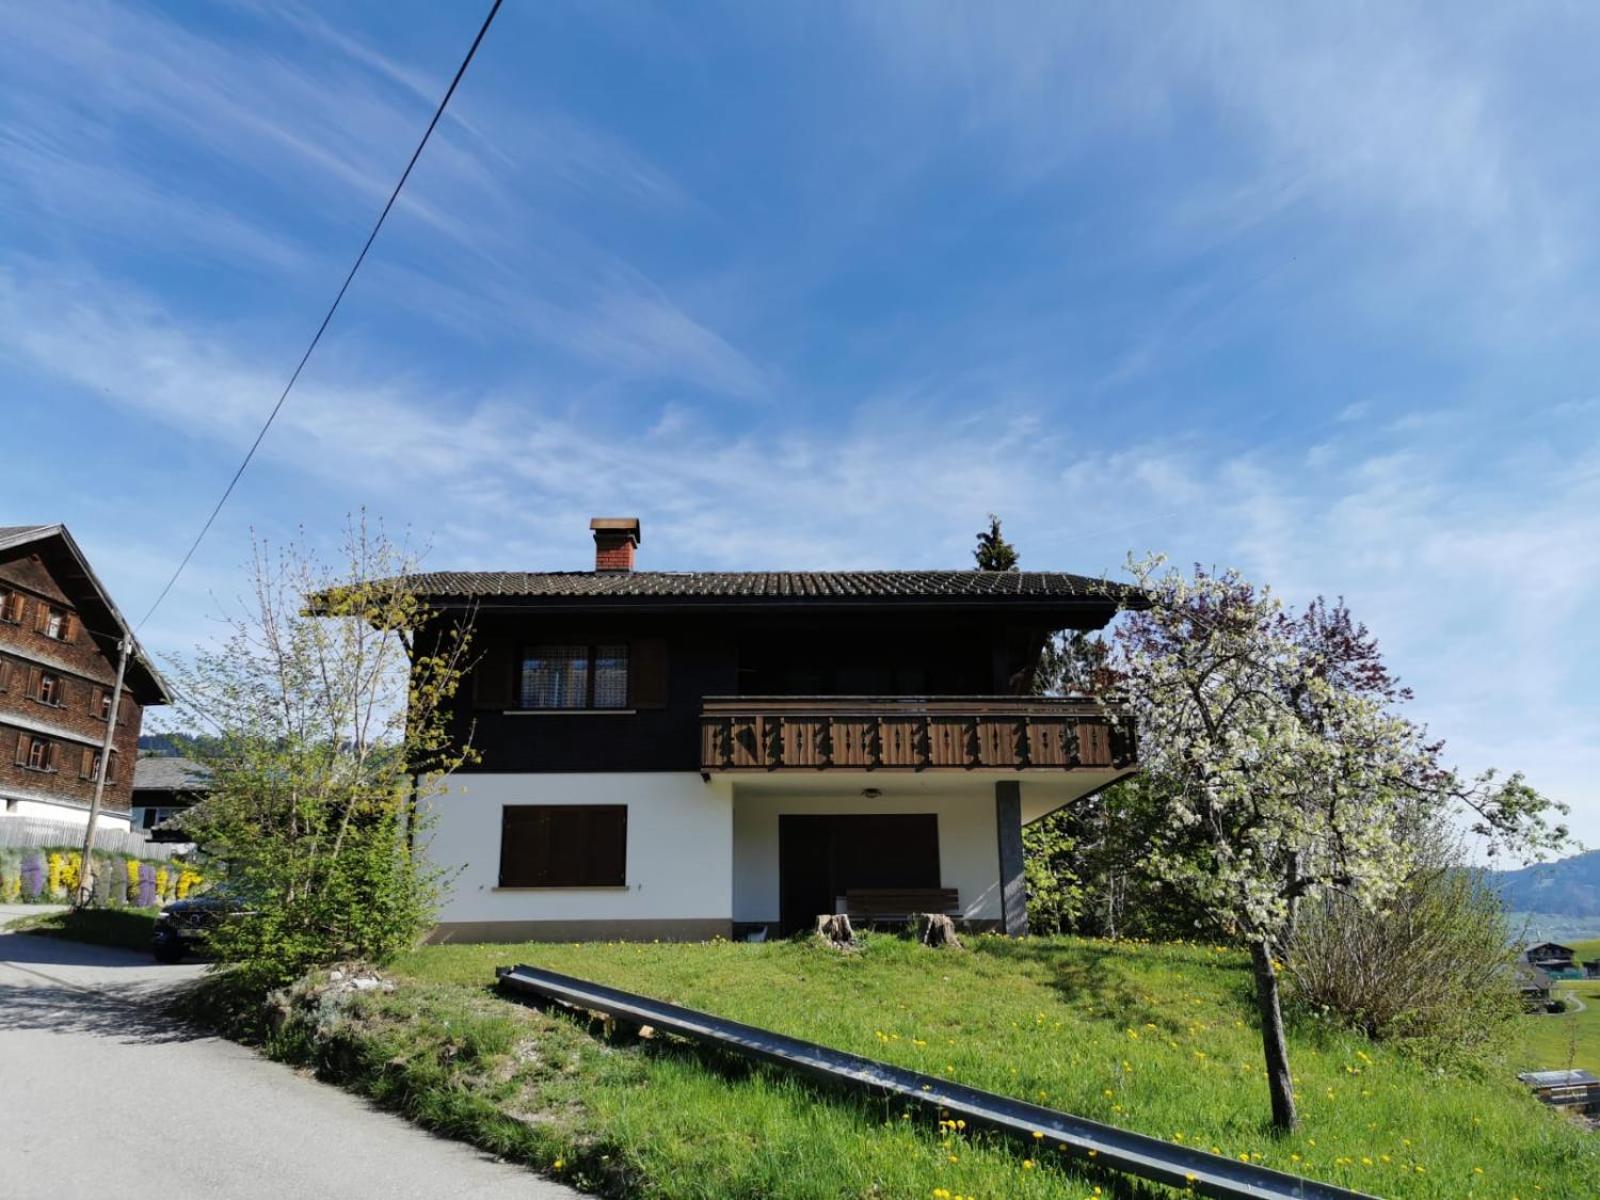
24, 743
5, 674
53, 757
604, 833
35, 675
85, 763
94, 700
68, 627
647, 672
564, 845
525, 845
41, 616
492, 676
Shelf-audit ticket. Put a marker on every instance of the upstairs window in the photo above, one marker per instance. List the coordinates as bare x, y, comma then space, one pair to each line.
12, 607
55, 623
89, 765
573, 676
100, 704
51, 689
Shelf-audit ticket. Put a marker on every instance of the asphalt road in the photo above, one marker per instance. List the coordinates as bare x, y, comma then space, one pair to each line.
100, 1096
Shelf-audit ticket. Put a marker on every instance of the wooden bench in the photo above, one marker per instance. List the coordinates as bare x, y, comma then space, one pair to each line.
900, 904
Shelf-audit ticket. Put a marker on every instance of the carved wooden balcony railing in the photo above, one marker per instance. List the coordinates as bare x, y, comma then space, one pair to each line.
947, 733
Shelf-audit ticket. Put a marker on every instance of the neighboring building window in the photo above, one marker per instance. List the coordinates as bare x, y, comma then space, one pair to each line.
89, 767
50, 689
55, 623
575, 676
12, 606
36, 753
100, 705
564, 845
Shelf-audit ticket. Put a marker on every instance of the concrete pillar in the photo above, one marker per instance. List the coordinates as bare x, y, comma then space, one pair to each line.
1008, 822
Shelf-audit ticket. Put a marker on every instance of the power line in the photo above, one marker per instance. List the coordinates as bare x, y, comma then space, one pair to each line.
332, 308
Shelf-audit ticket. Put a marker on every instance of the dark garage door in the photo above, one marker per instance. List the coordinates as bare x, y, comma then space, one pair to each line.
821, 857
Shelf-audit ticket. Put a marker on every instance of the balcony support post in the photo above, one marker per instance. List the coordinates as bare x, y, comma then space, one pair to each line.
1008, 823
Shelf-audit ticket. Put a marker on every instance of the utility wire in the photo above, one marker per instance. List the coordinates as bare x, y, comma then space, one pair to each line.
332, 308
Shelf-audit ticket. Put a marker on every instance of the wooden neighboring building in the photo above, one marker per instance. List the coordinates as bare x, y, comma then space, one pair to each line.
689, 754
163, 787
1552, 958
59, 632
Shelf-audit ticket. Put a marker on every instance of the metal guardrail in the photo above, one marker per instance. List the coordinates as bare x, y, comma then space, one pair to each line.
1116, 1149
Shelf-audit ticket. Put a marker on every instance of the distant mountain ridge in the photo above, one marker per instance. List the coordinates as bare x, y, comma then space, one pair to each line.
1569, 887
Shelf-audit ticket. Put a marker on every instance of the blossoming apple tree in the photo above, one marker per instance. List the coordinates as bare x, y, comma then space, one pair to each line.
1286, 770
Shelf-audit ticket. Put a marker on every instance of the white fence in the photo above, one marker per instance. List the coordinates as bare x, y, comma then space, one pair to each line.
35, 833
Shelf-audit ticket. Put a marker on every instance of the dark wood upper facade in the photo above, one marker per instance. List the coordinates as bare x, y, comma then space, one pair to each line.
608, 671
58, 637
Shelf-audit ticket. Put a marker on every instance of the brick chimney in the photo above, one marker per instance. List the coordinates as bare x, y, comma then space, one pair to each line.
614, 542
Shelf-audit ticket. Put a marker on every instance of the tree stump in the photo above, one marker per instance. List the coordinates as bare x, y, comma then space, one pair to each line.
835, 928
936, 930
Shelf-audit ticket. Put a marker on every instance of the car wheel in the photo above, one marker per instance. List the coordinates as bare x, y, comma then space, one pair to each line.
168, 951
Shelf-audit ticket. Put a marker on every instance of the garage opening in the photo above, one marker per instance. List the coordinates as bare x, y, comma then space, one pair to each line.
820, 858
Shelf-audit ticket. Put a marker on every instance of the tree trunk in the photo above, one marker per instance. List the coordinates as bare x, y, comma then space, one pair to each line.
1286, 939
835, 929
1284, 1117
936, 930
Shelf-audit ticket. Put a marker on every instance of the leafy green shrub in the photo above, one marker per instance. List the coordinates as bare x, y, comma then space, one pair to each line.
330, 698
1431, 971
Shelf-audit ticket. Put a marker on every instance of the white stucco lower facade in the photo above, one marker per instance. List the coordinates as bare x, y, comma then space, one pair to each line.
703, 855
63, 813
679, 869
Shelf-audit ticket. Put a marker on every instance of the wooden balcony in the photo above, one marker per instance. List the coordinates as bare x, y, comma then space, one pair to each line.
879, 733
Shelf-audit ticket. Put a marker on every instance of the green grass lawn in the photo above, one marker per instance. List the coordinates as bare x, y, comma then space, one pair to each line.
129, 928
1570, 1039
1155, 1038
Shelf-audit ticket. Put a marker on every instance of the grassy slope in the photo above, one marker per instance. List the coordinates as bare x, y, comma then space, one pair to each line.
1153, 1038
130, 928
1569, 1040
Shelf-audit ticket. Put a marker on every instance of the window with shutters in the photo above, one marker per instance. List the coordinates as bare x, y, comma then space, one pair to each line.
12, 606
564, 845
100, 704
55, 623
89, 765
38, 754
587, 676
5, 675
51, 689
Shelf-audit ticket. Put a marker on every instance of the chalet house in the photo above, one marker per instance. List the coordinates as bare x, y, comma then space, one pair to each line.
1551, 957
59, 633
1533, 986
693, 754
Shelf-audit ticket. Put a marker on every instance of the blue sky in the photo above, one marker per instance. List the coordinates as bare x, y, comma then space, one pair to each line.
1307, 291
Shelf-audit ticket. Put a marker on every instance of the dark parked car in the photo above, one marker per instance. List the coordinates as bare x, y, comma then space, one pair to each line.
183, 925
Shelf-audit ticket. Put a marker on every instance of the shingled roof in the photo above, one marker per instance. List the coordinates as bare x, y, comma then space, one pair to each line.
779, 586
168, 773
